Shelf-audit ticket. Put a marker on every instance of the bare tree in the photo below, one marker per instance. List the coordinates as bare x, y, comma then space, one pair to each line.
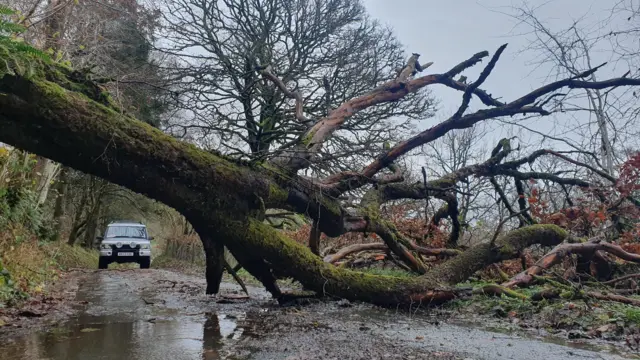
455, 150
112, 40
585, 44
325, 51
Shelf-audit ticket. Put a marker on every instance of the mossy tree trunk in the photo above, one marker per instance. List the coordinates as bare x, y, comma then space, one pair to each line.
219, 197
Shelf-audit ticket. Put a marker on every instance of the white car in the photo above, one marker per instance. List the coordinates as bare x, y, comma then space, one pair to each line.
125, 242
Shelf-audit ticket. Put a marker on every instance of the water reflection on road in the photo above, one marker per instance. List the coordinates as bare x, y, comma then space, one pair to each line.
121, 322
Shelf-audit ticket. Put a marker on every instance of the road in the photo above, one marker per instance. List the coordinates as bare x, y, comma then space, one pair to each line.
157, 314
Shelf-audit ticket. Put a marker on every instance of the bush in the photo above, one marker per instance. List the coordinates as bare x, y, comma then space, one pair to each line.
18, 200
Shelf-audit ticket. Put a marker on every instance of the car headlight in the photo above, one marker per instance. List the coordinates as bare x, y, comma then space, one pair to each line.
118, 244
133, 245
144, 246
105, 246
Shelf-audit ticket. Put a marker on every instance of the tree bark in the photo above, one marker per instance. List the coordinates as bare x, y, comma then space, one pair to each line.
314, 238
46, 175
214, 253
59, 208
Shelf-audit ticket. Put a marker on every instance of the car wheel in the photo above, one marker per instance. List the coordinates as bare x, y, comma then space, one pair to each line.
145, 263
103, 263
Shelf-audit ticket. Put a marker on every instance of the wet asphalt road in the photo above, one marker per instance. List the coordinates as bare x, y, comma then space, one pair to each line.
157, 315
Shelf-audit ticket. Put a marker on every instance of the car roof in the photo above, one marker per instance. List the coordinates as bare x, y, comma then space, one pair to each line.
126, 224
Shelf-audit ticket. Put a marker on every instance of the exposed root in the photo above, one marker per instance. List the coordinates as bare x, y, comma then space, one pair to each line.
546, 294
502, 274
347, 250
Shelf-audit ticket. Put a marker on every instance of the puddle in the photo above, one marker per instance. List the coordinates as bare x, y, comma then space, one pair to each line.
122, 321
193, 337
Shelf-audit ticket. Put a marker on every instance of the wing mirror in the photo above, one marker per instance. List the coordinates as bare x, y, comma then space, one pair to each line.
99, 238
151, 238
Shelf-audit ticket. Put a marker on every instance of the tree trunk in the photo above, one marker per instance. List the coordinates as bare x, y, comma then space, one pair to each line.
217, 195
59, 208
214, 253
78, 223
92, 226
314, 238
47, 171
54, 27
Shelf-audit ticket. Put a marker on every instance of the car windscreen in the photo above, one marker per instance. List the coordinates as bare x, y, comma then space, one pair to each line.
126, 231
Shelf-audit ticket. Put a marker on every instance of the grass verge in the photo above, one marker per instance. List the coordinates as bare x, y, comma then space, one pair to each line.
28, 266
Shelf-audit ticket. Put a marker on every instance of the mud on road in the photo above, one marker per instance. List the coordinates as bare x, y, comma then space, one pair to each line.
158, 314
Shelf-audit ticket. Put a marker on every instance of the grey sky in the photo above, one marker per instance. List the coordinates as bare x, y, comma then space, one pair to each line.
448, 32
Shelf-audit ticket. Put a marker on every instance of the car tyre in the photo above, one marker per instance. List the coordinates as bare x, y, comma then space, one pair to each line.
145, 263
103, 263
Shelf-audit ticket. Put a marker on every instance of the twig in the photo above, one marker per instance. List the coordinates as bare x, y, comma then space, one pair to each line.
235, 276
267, 73
466, 97
622, 278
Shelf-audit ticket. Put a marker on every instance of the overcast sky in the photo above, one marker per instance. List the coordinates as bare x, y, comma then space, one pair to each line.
447, 32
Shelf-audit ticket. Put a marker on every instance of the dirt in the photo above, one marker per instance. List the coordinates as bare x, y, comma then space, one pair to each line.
42, 310
160, 314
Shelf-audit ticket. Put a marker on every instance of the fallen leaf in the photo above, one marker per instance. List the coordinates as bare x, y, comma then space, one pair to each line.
419, 337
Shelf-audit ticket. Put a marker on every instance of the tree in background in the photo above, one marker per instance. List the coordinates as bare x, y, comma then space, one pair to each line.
326, 51
113, 41
611, 127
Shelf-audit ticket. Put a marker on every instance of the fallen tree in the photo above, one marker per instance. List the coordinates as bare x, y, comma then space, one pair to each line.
59, 113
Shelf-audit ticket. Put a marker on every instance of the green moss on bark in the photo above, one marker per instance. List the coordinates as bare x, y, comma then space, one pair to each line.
506, 247
294, 260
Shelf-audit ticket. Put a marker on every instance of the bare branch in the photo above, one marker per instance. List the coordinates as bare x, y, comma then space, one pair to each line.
267, 73
466, 97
